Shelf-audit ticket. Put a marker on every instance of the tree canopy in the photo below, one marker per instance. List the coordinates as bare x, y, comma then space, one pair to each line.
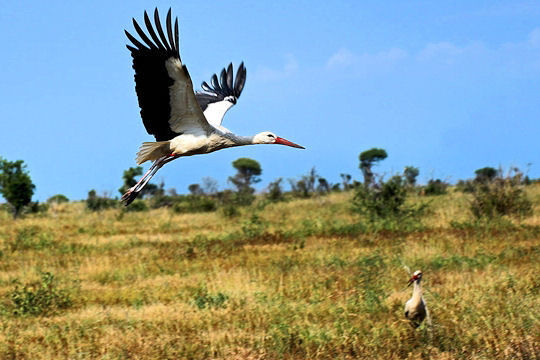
485, 174
248, 171
410, 173
367, 159
15, 184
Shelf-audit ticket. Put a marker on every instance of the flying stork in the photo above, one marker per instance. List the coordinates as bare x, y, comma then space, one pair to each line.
183, 122
415, 307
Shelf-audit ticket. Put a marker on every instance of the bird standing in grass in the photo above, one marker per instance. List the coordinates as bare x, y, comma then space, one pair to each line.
415, 307
183, 122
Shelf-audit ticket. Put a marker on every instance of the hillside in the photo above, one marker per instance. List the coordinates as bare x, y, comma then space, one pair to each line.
290, 280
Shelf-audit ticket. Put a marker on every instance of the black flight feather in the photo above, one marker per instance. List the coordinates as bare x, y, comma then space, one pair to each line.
152, 80
226, 86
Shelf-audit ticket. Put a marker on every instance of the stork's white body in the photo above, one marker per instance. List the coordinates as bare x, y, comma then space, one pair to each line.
184, 122
415, 307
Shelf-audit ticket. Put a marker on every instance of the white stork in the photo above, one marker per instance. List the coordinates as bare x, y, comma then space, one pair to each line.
183, 122
415, 307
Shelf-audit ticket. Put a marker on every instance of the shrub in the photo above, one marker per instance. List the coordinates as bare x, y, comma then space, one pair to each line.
304, 187
435, 187
161, 200
230, 211
98, 203
466, 186
58, 198
41, 298
502, 196
386, 201
31, 238
35, 207
275, 192
254, 227
381, 202
193, 204
137, 205
204, 300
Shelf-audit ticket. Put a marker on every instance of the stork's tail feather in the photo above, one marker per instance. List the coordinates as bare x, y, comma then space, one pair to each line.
153, 151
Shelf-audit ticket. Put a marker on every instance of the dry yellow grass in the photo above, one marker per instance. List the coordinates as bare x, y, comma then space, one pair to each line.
294, 285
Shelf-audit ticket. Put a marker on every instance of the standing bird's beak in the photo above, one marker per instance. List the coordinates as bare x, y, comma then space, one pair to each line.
411, 280
282, 141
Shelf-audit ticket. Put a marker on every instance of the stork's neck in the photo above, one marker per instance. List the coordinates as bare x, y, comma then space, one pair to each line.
417, 291
240, 140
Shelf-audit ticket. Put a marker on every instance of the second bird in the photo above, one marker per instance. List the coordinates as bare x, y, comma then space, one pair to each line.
415, 307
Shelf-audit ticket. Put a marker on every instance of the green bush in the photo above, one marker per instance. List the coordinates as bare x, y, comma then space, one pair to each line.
35, 207
501, 196
58, 198
204, 300
466, 186
386, 201
31, 238
194, 204
98, 203
42, 298
275, 191
254, 227
230, 211
435, 187
137, 205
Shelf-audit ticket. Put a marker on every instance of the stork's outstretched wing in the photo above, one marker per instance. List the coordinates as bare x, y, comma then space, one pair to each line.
163, 85
217, 98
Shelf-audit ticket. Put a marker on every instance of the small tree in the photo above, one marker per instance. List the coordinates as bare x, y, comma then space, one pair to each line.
346, 180
410, 173
195, 189
306, 185
324, 186
209, 185
369, 158
248, 171
15, 184
275, 192
485, 174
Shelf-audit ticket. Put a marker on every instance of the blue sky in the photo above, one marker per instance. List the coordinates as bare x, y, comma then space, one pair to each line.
447, 86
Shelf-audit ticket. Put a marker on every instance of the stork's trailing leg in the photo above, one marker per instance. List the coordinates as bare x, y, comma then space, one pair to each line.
134, 191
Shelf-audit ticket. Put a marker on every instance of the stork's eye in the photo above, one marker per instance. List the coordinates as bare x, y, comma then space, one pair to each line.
270, 136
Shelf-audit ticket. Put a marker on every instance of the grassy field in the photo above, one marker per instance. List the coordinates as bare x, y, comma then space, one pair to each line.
293, 280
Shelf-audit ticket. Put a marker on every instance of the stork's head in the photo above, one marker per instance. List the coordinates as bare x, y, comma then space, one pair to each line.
266, 137
417, 276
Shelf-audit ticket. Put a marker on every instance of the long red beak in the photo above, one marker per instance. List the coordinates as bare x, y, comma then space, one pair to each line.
282, 141
411, 280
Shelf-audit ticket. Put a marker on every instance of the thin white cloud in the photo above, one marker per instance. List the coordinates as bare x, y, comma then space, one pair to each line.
534, 37
366, 62
264, 73
511, 57
343, 57
441, 49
